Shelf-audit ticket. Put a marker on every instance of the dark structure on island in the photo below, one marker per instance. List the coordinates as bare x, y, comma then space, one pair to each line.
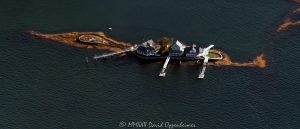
167, 50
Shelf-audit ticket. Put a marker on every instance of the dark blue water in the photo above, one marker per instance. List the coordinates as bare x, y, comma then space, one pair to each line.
44, 84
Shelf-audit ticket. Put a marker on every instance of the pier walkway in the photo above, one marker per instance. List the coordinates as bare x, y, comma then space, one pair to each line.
201, 75
96, 57
202, 72
163, 70
205, 62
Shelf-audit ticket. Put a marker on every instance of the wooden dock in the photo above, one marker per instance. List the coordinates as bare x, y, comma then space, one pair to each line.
96, 57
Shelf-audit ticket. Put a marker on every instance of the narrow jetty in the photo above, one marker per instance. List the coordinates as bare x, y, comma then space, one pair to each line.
202, 72
96, 57
163, 70
205, 62
201, 75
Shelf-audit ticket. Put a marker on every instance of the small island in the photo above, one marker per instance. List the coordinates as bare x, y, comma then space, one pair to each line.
165, 49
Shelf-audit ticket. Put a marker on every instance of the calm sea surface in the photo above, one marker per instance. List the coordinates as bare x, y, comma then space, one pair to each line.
46, 85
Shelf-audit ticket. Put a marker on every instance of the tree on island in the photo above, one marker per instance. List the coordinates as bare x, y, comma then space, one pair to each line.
165, 44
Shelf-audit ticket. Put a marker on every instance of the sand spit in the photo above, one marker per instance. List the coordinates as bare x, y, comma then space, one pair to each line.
288, 22
259, 61
71, 39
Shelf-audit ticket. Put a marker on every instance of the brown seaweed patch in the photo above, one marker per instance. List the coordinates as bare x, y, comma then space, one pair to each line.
71, 39
287, 23
259, 61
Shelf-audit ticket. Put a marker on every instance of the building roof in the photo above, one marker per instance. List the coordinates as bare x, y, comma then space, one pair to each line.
149, 43
191, 50
145, 48
179, 45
